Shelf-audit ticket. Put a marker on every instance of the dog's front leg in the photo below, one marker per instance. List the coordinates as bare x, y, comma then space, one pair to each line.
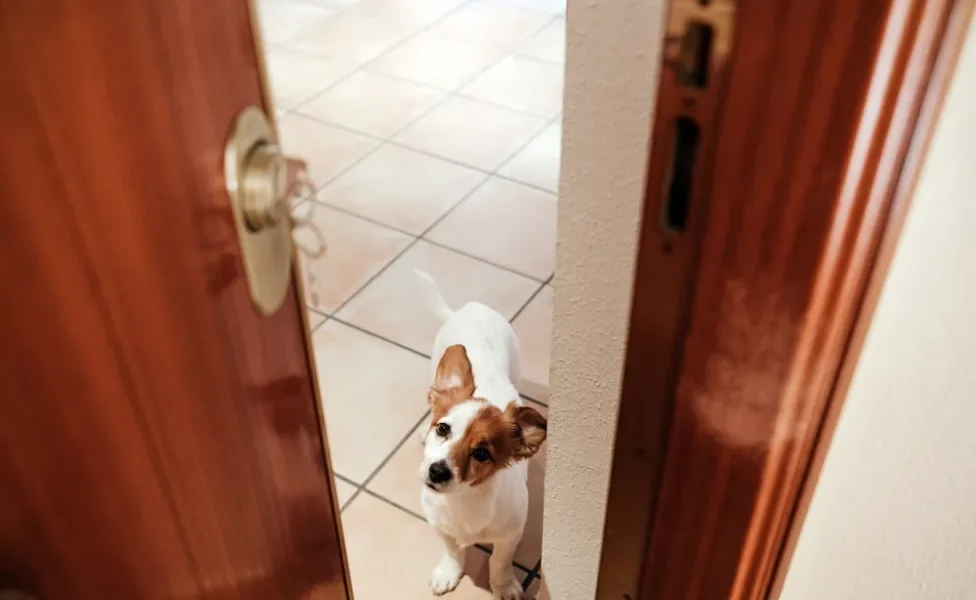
504, 584
447, 574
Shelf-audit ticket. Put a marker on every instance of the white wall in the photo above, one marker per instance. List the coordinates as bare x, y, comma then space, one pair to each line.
611, 72
894, 513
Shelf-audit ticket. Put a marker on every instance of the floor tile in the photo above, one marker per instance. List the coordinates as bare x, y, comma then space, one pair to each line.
521, 83
357, 250
344, 491
491, 23
441, 61
541, 591
553, 7
548, 45
471, 132
533, 328
412, 12
296, 76
401, 188
337, 4
399, 479
374, 104
381, 539
329, 150
314, 319
538, 163
505, 223
396, 304
282, 20
373, 393
352, 38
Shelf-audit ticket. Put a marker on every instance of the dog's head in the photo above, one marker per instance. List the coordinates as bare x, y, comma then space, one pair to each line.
469, 439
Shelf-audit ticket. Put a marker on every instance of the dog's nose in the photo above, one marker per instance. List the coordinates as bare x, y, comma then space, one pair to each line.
439, 473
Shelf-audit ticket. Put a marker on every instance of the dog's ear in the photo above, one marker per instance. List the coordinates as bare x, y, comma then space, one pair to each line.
529, 429
454, 372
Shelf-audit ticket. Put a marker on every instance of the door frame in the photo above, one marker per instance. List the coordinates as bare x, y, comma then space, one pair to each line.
912, 61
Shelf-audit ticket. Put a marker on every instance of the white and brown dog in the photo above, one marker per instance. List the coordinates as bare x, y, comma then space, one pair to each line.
475, 449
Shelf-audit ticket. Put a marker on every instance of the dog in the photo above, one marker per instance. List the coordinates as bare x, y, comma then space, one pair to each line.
480, 436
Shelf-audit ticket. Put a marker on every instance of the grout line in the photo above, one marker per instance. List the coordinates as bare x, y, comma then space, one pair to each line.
364, 66
522, 148
405, 347
411, 513
382, 338
394, 47
486, 261
373, 221
394, 504
518, 6
525, 183
507, 54
410, 433
488, 551
351, 213
332, 13
382, 270
392, 142
447, 95
406, 249
346, 479
492, 173
368, 480
543, 61
439, 219
317, 311
521, 111
542, 285
314, 329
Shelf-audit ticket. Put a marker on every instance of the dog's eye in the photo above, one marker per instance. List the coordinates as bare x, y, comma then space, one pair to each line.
443, 429
481, 454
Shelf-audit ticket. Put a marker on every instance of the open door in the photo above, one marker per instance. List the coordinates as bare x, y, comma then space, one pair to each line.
159, 430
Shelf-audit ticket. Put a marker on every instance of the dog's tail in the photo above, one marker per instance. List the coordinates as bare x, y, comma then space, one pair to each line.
434, 293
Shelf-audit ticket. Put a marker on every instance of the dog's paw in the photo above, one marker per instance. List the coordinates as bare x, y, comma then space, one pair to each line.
510, 590
445, 577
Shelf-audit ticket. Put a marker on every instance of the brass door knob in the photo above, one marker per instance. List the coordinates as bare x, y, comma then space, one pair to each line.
264, 200
256, 177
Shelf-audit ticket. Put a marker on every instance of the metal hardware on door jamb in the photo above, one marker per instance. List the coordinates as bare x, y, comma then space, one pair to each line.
699, 41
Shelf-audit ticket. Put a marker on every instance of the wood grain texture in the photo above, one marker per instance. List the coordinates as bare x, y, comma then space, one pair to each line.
158, 438
955, 31
819, 106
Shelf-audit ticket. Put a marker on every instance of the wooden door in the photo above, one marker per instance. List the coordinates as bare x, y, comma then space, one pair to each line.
159, 438
805, 134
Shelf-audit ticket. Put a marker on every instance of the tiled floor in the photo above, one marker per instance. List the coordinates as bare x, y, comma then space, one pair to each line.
433, 129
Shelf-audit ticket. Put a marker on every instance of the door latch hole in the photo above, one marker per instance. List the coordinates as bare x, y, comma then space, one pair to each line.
677, 204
